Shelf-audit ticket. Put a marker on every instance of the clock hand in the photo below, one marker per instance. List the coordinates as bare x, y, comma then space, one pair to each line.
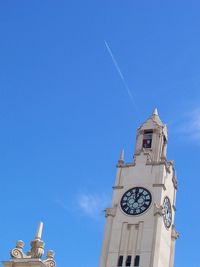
138, 196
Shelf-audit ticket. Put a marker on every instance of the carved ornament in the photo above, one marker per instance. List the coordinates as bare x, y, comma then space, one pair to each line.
36, 252
50, 262
111, 211
17, 252
175, 234
158, 209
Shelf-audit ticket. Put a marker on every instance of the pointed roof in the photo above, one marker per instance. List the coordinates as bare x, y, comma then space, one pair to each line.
152, 121
155, 117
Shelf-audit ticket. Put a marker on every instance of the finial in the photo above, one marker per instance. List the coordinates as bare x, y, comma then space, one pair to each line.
20, 244
121, 158
50, 262
39, 231
37, 245
50, 254
122, 155
155, 112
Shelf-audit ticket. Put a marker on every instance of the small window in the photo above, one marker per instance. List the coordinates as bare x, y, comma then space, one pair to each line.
137, 261
128, 261
147, 138
120, 261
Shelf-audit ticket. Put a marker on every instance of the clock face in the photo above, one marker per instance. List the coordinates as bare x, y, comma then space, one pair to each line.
167, 212
136, 201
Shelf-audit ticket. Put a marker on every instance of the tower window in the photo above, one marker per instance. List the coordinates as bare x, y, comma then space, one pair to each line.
120, 261
137, 261
147, 138
128, 261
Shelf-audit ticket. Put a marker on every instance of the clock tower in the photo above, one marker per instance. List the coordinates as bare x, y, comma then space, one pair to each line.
140, 230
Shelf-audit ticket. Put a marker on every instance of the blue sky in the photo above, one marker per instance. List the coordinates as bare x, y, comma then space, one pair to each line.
65, 114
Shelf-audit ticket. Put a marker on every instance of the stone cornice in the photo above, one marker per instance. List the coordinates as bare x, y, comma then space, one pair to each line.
160, 185
164, 162
126, 165
23, 262
118, 187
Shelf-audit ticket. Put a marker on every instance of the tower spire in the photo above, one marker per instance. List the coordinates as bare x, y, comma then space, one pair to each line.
155, 112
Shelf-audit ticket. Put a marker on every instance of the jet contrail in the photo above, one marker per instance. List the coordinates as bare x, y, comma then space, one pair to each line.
120, 73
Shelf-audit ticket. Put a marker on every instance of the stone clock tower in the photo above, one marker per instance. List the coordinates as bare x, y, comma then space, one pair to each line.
140, 229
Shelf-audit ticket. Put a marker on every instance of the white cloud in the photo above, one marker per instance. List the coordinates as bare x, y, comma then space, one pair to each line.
195, 124
190, 125
93, 205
